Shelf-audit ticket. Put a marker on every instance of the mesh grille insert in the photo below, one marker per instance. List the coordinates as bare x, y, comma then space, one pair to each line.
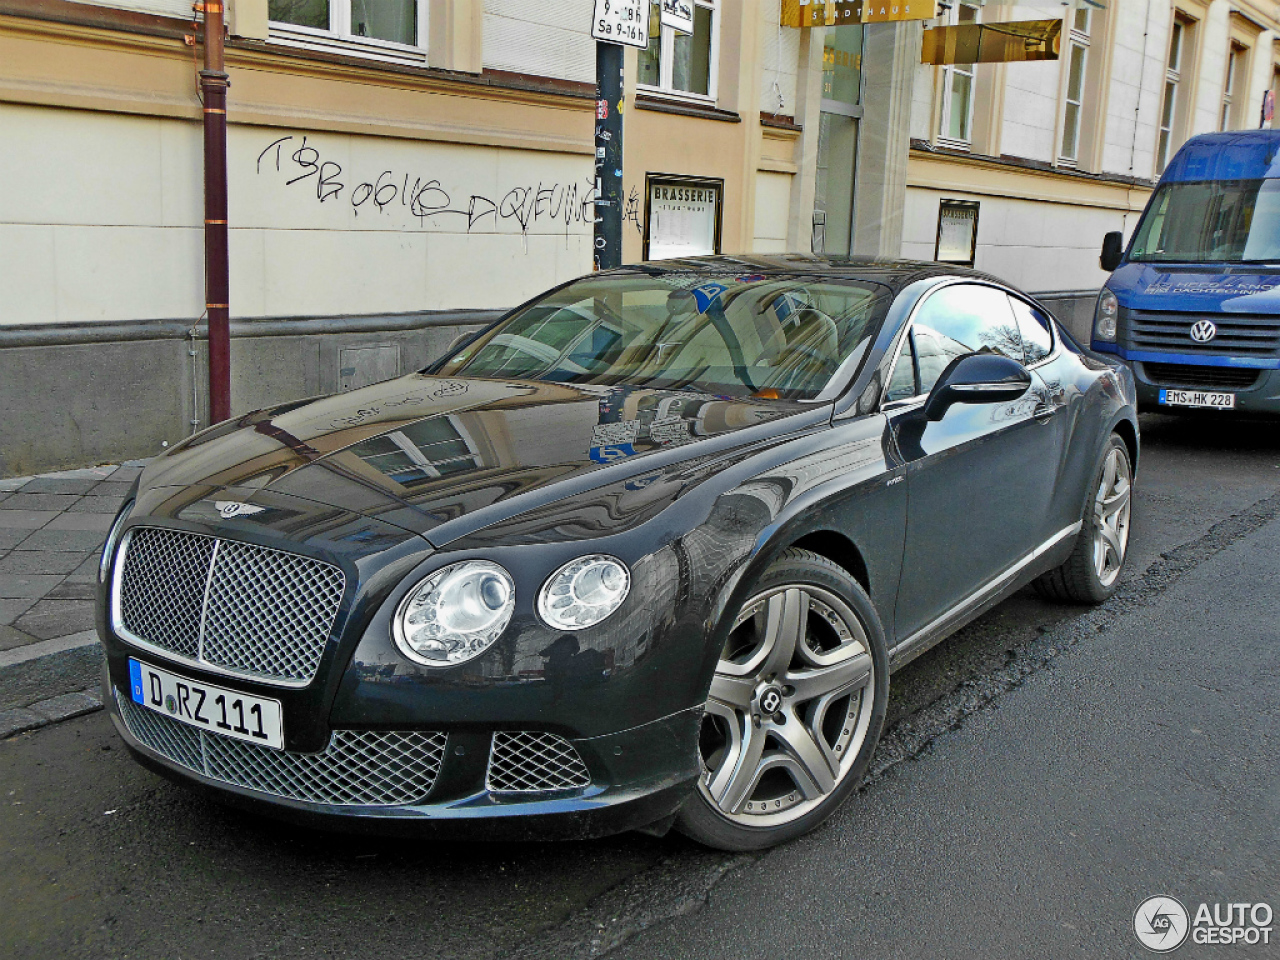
162, 587
238, 606
525, 761
256, 594
359, 767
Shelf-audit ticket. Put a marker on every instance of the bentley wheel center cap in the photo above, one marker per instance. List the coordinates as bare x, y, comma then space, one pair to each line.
770, 700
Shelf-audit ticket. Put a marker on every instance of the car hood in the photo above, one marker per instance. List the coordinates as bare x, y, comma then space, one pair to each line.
1213, 288
421, 452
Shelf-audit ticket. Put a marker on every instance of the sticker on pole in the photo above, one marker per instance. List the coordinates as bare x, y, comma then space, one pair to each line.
678, 14
621, 21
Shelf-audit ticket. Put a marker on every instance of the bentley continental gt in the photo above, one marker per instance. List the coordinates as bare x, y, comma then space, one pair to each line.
643, 553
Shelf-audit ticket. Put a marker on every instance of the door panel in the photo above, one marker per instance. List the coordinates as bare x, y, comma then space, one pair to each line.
980, 480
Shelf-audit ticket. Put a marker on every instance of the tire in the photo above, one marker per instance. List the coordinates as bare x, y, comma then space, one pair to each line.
768, 777
1091, 574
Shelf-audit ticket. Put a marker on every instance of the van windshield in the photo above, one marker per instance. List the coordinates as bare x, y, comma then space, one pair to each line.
1212, 220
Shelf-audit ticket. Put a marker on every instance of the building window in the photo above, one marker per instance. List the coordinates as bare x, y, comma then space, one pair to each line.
1069, 150
1169, 106
1233, 86
375, 24
955, 122
1275, 96
679, 63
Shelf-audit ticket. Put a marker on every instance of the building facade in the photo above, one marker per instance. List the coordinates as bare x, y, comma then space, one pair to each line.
1051, 155
400, 171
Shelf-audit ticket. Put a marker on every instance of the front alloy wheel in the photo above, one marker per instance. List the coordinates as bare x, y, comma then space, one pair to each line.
794, 710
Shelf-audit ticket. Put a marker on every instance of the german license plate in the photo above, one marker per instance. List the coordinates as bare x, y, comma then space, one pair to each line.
198, 704
1198, 398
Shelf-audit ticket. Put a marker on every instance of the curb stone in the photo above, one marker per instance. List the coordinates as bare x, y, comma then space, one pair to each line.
44, 712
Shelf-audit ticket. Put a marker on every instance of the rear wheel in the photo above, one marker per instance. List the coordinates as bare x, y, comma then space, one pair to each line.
1092, 573
795, 708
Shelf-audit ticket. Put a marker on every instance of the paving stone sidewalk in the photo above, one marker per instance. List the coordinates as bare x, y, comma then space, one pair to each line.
51, 532
52, 528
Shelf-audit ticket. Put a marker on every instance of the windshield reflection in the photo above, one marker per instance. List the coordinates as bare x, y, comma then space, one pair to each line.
761, 336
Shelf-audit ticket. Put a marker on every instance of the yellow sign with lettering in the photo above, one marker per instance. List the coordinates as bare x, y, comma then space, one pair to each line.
835, 13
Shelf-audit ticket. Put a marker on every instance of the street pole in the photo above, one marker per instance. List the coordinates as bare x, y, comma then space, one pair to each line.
213, 89
608, 143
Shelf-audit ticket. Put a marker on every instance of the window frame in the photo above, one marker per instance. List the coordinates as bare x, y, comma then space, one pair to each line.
1168, 118
667, 58
905, 340
948, 75
343, 39
1228, 85
1078, 39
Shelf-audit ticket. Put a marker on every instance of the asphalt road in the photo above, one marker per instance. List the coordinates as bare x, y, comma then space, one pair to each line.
1042, 773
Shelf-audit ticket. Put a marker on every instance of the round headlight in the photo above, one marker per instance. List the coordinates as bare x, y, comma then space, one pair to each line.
582, 593
455, 614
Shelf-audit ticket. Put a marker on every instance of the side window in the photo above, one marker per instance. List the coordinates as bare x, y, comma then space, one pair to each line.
961, 319
1036, 329
902, 383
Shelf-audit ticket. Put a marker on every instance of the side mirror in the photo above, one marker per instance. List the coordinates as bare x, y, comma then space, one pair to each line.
977, 378
1112, 251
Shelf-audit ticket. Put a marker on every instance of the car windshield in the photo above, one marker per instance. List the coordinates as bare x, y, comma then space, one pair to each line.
771, 337
1213, 220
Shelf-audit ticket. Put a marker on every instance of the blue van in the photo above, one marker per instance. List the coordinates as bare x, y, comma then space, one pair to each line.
1193, 305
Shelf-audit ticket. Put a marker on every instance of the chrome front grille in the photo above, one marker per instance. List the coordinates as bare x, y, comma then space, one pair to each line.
244, 609
527, 761
1239, 335
358, 767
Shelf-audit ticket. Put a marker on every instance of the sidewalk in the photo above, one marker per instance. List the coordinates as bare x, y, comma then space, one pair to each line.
51, 532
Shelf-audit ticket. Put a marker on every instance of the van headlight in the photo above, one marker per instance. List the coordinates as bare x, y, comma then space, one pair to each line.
582, 593
455, 614
1106, 315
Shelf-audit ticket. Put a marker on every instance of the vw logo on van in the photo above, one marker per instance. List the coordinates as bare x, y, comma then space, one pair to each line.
1203, 331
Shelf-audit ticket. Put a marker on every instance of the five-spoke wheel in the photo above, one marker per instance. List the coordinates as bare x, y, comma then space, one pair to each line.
1111, 516
1091, 574
795, 706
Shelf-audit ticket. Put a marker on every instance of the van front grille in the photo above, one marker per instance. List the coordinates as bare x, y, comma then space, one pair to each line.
1200, 377
1239, 335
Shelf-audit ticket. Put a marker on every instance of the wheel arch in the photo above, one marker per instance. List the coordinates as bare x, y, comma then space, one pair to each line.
1127, 430
840, 550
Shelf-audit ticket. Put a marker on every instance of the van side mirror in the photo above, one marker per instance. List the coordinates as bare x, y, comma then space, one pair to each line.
1112, 251
977, 378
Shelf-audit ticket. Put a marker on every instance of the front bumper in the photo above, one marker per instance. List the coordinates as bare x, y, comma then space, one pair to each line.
624, 698
636, 777
1262, 396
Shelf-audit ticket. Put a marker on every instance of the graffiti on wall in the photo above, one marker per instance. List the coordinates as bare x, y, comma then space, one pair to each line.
302, 167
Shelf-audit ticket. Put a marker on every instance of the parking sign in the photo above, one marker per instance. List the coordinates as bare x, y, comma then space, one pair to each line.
621, 21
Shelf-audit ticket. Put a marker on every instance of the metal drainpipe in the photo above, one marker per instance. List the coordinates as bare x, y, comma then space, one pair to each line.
213, 86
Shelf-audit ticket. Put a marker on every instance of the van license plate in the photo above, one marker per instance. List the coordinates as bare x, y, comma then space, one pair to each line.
198, 704
1198, 398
